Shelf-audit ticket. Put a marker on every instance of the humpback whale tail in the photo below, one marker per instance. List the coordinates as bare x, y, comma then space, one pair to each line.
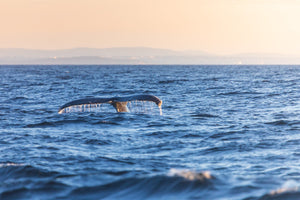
119, 103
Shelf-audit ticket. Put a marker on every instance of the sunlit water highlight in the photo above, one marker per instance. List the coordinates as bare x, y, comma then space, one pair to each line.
227, 132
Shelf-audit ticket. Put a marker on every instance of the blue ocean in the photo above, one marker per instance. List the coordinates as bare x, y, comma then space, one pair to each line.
225, 133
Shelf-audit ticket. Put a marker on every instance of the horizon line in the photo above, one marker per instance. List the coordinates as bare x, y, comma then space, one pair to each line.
159, 48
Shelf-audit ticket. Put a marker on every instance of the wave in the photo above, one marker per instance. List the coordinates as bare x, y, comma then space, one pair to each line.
17, 98
98, 142
172, 81
56, 120
11, 170
229, 134
88, 118
239, 93
191, 175
21, 181
284, 193
283, 122
176, 185
292, 193
45, 124
203, 115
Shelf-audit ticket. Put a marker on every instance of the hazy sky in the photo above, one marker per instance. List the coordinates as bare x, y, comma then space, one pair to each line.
215, 26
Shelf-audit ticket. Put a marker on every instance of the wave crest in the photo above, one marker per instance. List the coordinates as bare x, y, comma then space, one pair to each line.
191, 175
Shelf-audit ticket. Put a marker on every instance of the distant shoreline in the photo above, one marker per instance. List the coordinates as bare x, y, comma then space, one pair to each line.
136, 56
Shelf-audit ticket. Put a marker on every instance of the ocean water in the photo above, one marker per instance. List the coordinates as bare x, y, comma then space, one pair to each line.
226, 132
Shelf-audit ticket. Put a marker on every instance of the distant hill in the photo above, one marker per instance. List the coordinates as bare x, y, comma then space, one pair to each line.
134, 55
113, 52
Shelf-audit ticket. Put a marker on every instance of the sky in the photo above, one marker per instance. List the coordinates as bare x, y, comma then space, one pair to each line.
213, 26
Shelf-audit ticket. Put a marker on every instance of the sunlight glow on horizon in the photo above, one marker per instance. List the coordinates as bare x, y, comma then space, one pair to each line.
215, 26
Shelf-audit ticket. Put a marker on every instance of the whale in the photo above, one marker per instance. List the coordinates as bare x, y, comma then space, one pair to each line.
119, 103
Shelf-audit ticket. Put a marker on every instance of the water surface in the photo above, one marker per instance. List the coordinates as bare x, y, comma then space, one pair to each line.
227, 132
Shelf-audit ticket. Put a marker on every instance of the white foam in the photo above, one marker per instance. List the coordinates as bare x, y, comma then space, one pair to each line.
191, 175
10, 164
289, 186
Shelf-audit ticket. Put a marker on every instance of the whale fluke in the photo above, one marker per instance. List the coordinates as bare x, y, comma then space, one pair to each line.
119, 103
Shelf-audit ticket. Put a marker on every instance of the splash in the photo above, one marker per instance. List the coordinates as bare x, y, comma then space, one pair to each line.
191, 175
288, 187
143, 107
84, 108
284, 190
